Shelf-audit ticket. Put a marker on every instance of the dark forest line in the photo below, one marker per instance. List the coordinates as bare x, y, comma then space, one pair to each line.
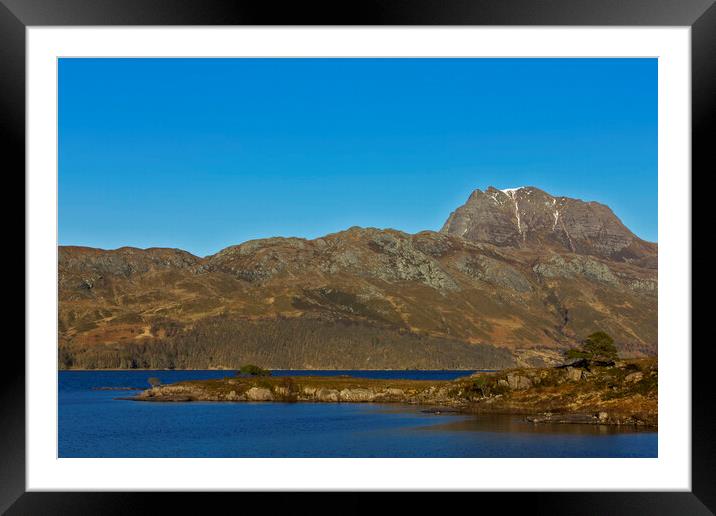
226, 342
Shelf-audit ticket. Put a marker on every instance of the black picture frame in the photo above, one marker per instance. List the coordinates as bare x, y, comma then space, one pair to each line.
16, 15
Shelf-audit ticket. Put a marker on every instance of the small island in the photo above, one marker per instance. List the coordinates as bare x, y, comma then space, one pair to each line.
619, 393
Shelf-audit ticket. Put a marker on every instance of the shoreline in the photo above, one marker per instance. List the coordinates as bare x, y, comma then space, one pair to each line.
620, 395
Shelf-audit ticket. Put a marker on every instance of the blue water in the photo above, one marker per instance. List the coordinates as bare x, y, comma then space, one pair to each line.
94, 423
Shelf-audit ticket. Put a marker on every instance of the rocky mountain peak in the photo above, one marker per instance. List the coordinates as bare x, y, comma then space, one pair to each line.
530, 217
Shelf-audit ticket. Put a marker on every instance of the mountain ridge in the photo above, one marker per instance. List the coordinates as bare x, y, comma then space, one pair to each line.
369, 292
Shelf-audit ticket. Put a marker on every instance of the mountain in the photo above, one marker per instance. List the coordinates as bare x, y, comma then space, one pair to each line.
499, 285
530, 217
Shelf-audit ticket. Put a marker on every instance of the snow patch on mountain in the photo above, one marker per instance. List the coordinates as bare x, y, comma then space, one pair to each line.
511, 191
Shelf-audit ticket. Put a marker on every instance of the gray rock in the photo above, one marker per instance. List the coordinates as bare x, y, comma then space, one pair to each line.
495, 272
233, 396
259, 394
634, 377
282, 391
357, 395
327, 395
518, 382
559, 267
648, 286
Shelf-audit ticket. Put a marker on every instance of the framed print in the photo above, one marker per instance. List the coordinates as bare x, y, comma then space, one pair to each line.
403, 250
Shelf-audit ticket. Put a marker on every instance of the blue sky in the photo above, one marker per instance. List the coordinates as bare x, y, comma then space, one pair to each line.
204, 153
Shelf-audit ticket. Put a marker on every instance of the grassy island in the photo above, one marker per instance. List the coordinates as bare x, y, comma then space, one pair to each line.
621, 394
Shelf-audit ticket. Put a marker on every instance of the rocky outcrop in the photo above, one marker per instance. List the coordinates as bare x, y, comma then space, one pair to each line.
259, 394
327, 395
85, 270
125, 261
358, 395
576, 266
494, 272
518, 382
634, 377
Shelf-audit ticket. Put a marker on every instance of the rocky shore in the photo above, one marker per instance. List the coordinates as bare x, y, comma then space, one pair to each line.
623, 394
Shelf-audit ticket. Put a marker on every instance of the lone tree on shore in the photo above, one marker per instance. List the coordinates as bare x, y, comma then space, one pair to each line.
598, 348
154, 382
254, 370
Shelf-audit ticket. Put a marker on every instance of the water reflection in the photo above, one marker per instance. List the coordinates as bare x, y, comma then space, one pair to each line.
518, 424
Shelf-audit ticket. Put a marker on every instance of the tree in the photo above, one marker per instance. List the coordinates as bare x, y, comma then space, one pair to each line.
597, 348
154, 382
254, 370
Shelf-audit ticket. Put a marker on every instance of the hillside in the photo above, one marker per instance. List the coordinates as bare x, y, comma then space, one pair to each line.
506, 282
